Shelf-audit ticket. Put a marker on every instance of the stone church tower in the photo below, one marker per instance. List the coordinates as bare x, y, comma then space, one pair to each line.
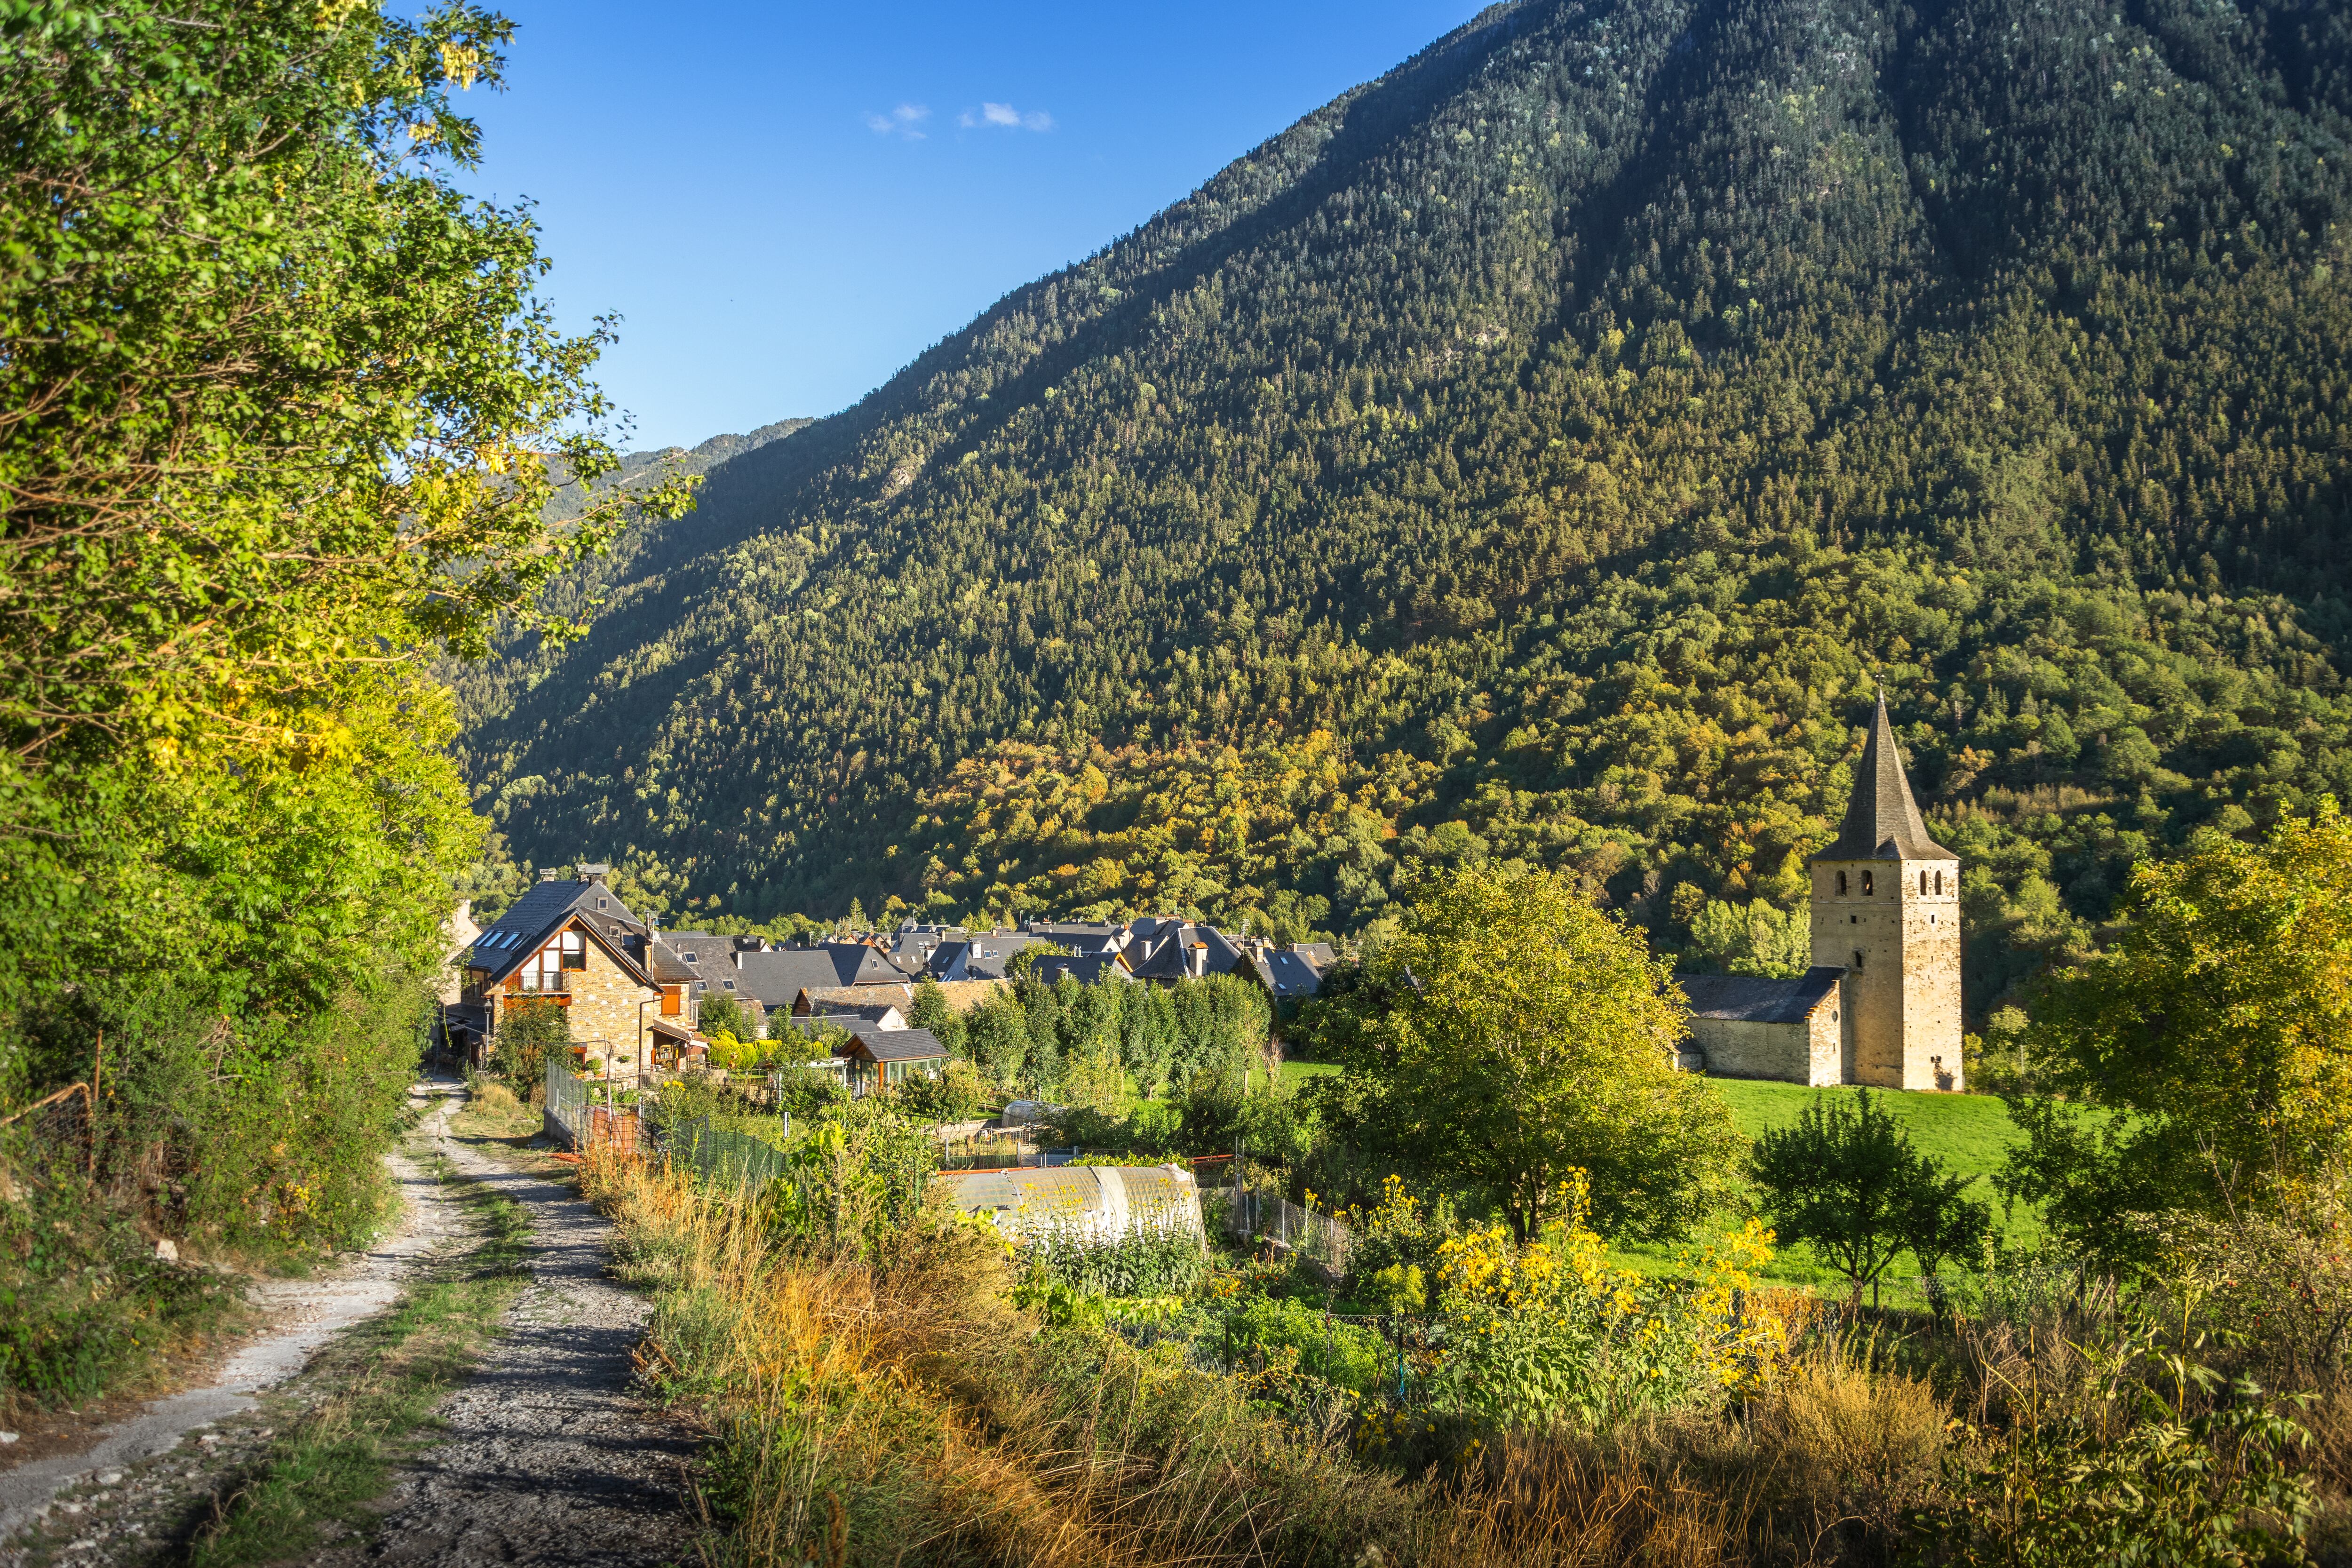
1887, 910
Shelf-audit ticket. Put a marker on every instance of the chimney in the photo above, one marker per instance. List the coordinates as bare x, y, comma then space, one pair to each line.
548, 875
594, 871
1200, 956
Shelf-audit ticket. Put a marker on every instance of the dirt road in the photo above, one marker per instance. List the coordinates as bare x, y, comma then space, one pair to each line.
547, 1459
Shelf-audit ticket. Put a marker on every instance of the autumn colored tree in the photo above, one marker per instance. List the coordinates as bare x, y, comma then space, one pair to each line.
1516, 1033
2199, 1063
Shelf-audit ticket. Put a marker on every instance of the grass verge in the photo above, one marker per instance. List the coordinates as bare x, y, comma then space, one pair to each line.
386, 1377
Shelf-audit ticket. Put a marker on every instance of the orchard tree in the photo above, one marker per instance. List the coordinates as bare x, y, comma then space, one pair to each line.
2202, 1063
1516, 1033
1845, 1177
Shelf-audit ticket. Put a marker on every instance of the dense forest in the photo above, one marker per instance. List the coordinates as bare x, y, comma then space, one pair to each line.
1543, 452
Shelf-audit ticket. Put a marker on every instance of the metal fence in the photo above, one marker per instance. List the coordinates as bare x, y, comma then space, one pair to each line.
1321, 1238
568, 1102
724, 1158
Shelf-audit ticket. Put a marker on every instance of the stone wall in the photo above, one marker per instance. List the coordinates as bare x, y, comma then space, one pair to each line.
1738, 1049
1901, 952
603, 1011
1810, 1052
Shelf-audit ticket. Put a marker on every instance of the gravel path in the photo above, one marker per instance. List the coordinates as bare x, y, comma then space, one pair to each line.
546, 1458
304, 1315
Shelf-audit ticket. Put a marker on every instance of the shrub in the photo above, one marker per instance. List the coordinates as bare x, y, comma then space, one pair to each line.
1550, 1330
2109, 1459
955, 1095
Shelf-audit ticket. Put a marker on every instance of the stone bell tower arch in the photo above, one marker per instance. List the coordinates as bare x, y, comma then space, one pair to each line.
1887, 910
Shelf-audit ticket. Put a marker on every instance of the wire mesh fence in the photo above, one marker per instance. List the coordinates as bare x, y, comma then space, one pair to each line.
568, 1103
724, 1158
1322, 1239
61, 1127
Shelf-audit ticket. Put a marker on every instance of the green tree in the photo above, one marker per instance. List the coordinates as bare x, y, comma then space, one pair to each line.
930, 1010
1844, 1177
295, 407
2199, 1063
996, 1039
720, 1013
531, 1033
1517, 1034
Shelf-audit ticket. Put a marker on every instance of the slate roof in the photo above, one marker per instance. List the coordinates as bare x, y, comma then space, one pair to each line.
849, 1015
1318, 953
1085, 968
1761, 998
894, 1046
524, 928
1882, 820
855, 964
780, 974
1290, 975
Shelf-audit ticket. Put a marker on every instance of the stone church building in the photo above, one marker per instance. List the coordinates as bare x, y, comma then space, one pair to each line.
1880, 1005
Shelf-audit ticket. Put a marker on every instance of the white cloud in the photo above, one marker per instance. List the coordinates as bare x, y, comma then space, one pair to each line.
1006, 116
905, 120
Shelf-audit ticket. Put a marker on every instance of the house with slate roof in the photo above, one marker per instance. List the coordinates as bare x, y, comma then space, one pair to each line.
1085, 968
1884, 991
573, 944
885, 1058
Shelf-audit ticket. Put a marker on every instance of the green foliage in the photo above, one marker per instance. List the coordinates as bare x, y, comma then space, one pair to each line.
1552, 1329
531, 1033
1755, 940
958, 1094
2126, 1468
1845, 1177
1512, 1033
1157, 1256
301, 405
930, 1010
1293, 1339
720, 1013
854, 1179
805, 1090
1462, 476
2213, 1024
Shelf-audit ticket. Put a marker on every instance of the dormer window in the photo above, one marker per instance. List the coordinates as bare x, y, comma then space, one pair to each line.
1866, 890
1841, 884
729, 985
603, 903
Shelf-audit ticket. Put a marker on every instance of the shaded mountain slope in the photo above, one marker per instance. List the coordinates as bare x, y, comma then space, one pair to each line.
1543, 451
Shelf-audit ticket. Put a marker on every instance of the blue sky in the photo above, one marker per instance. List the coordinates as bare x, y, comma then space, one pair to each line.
786, 203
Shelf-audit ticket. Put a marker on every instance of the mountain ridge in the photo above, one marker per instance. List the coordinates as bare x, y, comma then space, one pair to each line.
1577, 360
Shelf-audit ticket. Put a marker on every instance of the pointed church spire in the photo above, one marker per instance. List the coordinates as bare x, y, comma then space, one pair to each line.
1882, 821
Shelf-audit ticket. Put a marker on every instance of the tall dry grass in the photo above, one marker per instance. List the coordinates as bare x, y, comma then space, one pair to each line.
897, 1409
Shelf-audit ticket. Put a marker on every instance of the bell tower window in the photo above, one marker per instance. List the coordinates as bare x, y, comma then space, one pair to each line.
1841, 884
1857, 958
1939, 882
1866, 879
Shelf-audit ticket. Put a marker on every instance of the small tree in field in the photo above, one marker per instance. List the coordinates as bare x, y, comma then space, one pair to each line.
1844, 1177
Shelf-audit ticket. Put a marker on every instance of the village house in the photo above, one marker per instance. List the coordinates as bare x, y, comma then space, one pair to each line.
571, 943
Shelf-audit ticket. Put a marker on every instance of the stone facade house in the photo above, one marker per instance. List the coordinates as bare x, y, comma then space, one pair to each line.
574, 944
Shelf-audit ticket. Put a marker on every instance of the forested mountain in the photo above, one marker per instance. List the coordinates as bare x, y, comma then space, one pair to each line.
1543, 451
